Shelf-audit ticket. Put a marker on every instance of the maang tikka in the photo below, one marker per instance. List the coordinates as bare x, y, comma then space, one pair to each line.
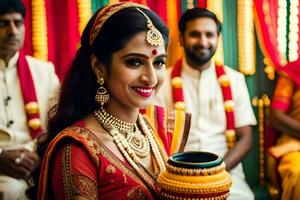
102, 96
154, 37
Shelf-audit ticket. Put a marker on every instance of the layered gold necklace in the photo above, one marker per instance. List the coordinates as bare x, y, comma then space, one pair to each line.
135, 141
128, 146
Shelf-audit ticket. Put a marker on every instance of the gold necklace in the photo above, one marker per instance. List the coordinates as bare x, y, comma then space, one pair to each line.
135, 140
129, 154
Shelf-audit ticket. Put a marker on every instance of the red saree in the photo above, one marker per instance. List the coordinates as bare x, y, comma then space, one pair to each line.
83, 165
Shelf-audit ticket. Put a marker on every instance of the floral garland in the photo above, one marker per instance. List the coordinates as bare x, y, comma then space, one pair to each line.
177, 91
39, 30
84, 13
246, 38
29, 96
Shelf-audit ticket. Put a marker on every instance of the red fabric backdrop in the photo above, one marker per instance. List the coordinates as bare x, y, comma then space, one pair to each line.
63, 34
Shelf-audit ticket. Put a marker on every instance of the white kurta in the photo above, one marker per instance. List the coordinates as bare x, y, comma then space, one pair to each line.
204, 100
16, 135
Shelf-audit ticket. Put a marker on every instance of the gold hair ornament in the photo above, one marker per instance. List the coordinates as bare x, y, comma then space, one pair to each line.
106, 13
154, 37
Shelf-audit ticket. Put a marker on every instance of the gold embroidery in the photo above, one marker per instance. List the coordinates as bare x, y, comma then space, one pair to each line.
110, 169
92, 141
136, 193
170, 120
98, 148
125, 178
66, 173
86, 187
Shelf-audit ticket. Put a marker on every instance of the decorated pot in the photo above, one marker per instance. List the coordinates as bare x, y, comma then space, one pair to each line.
195, 175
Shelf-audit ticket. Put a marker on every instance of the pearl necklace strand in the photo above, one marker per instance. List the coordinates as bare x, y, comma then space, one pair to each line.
154, 147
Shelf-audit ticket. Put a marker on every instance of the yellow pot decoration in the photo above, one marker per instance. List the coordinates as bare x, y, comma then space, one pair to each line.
195, 175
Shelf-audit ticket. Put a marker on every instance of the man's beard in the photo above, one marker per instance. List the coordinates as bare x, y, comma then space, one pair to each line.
198, 59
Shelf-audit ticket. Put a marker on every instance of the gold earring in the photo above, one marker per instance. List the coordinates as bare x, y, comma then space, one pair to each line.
102, 96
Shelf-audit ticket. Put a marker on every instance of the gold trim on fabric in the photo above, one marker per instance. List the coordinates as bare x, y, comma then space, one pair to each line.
136, 193
170, 120
85, 187
110, 169
66, 173
98, 148
106, 13
90, 140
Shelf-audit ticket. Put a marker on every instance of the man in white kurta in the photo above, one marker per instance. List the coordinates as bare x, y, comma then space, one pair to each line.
14, 132
16, 143
204, 99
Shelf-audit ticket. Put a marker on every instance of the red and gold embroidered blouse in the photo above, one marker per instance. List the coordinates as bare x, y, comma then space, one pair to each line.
77, 163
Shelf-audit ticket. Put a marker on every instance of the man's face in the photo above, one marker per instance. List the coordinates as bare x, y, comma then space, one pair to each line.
200, 41
12, 32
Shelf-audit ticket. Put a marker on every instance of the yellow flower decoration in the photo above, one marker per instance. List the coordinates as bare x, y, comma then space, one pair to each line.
34, 123
229, 105
230, 137
32, 108
180, 105
176, 82
224, 80
230, 133
218, 63
39, 29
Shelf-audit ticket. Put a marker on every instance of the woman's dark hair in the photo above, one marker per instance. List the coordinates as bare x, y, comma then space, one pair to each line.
77, 95
195, 13
12, 6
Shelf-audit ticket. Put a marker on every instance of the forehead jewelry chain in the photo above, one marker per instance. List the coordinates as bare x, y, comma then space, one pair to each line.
153, 37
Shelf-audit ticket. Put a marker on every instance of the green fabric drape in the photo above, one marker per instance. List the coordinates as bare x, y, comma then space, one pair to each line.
96, 4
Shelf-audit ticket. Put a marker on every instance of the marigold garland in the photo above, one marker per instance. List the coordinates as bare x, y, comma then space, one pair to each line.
216, 7
84, 13
39, 30
246, 38
223, 79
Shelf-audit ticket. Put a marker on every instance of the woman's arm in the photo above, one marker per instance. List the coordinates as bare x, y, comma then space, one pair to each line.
73, 173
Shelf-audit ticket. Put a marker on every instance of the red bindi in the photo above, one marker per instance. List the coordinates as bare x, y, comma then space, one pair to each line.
154, 51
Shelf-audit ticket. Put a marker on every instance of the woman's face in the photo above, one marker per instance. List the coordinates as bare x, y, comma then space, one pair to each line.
136, 73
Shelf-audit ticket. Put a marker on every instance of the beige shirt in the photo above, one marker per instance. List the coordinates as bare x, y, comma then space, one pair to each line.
16, 135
